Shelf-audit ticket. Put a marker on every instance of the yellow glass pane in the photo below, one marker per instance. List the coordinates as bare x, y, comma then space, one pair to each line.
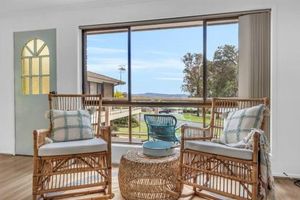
35, 66
45, 66
25, 85
25, 66
26, 52
39, 44
35, 85
45, 51
46, 85
30, 45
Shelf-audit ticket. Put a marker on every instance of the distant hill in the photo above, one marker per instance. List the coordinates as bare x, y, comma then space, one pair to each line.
161, 95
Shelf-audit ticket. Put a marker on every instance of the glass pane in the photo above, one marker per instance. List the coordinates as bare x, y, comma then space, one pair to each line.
167, 62
45, 85
222, 56
44, 52
35, 66
45, 66
26, 52
107, 63
25, 85
35, 85
39, 44
30, 45
117, 117
191, 116
25, 66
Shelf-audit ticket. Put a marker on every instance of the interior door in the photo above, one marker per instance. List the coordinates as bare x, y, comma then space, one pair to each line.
35, 77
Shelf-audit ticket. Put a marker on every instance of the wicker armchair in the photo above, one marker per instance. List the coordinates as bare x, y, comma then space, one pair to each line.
228, 172
80, 170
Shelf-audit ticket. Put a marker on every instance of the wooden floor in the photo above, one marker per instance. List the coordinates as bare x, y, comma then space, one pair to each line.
16, 175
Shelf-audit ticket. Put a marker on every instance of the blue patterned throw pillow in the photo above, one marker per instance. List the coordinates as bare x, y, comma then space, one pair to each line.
238, 124
70, 125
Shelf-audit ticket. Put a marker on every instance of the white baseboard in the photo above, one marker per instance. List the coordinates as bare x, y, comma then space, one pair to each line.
291, 175
120, 149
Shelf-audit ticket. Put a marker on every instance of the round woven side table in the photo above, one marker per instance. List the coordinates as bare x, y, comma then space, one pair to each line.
147, 178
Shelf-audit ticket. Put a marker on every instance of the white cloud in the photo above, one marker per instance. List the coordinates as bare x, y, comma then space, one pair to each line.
160, 53
99, 50
105, 64
111, 64
172, 74
169, 78
157, 64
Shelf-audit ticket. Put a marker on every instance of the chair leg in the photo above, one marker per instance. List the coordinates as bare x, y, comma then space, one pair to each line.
110, 182
34, 178
255, 184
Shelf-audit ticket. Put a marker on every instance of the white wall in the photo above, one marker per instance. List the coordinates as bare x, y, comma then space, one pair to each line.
285, 57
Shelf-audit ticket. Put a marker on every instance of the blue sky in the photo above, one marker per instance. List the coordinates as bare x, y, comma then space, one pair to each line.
156, 55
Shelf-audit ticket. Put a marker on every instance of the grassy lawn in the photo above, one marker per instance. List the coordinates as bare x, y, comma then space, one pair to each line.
141, 131
193, 118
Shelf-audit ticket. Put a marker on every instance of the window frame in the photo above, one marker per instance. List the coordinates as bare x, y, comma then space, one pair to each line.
203, 103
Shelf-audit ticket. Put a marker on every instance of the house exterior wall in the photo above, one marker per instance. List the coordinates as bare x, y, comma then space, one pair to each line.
93, 88
285, 59
108, 90
105, 89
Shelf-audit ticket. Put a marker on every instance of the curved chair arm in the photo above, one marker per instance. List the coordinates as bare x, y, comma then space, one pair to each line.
105, 133
256, 146
195, 133
179, 126
39, 137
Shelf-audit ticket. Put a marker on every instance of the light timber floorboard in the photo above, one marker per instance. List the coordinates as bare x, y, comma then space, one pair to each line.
16, 177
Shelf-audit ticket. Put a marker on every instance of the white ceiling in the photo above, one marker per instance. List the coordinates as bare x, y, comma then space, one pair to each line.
10, 7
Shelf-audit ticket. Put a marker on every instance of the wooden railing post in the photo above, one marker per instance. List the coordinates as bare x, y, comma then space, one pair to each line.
107, 115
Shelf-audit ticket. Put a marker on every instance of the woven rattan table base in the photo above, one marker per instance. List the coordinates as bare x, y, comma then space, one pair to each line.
145, 178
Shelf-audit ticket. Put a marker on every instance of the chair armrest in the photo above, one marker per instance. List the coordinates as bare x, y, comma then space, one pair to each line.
39, 139
105, 133
195, 133
179, 126
255, 146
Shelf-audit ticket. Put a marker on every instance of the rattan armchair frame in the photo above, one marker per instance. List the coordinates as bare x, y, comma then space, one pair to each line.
210, 173
73, 175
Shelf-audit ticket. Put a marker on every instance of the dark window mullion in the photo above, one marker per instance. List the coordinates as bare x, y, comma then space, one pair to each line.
204, 70
84, 84
129, 63
129, 84
204, 60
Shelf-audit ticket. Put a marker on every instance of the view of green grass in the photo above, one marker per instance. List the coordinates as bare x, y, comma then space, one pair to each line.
141, 131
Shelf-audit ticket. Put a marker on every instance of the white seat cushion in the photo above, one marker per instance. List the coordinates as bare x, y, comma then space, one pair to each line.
73, 147
219, 149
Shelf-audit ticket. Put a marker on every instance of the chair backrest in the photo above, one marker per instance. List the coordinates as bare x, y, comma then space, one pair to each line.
78, 102
223, 105
161, 127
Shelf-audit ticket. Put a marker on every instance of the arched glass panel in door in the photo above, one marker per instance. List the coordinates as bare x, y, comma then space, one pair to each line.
35, 74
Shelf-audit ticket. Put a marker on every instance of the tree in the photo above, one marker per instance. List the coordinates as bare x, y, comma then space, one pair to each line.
118, 95
223, 72
193, 78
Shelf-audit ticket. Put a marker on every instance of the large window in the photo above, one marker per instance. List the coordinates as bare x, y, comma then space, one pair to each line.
166, 68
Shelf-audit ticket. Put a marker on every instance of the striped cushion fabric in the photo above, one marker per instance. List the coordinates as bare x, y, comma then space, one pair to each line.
238, 124
70, 125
